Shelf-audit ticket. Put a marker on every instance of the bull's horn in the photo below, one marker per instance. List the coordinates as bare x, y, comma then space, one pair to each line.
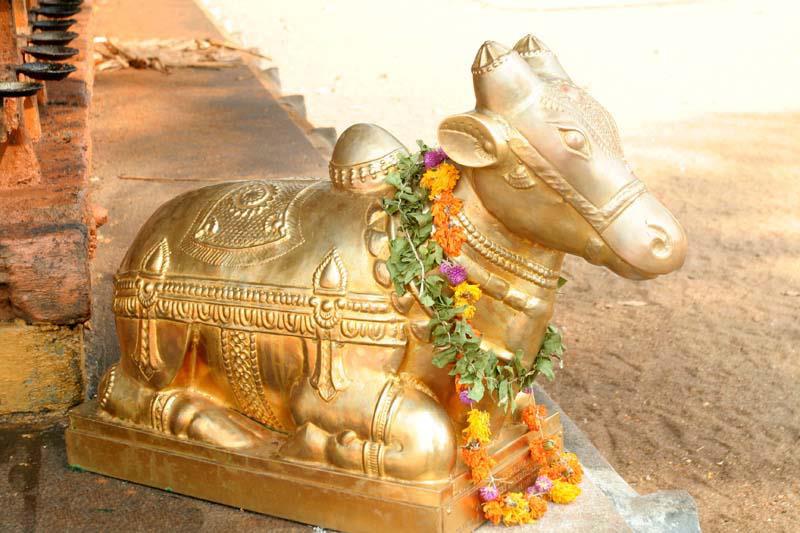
488, 53
540, 58
502, 79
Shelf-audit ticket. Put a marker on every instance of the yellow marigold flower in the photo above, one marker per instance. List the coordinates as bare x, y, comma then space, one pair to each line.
477, 427
469, 312
516, 510
466, 294
440, 179
563, 492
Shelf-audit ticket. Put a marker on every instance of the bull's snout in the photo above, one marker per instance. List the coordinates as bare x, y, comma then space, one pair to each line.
647, 237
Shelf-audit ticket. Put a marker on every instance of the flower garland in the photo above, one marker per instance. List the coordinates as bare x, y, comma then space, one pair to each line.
421, 260
559, 474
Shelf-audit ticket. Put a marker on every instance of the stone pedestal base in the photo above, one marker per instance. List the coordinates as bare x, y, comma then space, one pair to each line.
260, 481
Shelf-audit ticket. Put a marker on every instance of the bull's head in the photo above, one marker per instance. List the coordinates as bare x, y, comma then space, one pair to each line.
547, 162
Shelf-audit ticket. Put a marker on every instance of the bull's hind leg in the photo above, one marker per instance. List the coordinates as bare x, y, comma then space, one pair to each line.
409, 437
158, 384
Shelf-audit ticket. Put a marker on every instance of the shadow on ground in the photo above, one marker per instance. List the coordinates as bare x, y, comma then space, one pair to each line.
39, 493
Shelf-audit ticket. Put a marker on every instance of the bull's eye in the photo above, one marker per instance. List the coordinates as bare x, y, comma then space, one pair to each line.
575, 142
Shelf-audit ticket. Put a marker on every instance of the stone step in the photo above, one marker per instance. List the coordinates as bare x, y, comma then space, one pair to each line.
294, 103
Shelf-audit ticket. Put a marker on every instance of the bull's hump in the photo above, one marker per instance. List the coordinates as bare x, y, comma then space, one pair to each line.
251, 223
270, 232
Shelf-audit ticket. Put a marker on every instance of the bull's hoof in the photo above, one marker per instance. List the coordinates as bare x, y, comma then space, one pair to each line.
311, 444
188, 414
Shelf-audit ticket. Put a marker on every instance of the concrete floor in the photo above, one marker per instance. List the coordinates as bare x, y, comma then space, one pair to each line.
42, 494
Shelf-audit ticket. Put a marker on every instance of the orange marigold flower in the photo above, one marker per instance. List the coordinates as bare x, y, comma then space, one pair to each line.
574, 470
554, 445
537, 507
538, 455
468, 455
445, 207
532, 415
479, 463
482, 470
472, 454
442, 178
542, 451
493, 511
554, 471
450, 238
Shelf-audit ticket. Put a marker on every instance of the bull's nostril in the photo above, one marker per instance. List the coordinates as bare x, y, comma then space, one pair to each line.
661, 243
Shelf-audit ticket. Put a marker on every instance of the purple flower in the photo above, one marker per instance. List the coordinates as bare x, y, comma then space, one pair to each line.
489, 493
542, 485
434, 158
463, 396
454, 272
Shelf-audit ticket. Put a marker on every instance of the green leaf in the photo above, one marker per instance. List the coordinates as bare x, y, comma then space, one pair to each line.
394, 180
562, 281
422, 218
502, 390
444, 358
476, 391
545, 366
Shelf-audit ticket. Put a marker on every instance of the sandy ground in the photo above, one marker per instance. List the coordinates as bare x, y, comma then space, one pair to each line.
690, 381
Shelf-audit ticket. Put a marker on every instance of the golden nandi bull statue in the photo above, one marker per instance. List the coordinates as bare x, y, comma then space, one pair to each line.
255, 309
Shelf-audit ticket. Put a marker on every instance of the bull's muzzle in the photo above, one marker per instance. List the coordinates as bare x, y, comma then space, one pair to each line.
647, 237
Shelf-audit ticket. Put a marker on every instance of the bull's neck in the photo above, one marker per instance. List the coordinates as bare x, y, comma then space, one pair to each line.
496, 247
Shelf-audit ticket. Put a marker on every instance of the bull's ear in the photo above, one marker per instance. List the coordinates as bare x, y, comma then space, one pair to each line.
473, 139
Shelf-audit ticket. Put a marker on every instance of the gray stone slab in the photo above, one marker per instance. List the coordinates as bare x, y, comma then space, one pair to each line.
592, 511
659, 512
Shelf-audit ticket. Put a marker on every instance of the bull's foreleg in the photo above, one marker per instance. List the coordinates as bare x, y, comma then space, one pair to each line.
188, 414
181, 412
161, 383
